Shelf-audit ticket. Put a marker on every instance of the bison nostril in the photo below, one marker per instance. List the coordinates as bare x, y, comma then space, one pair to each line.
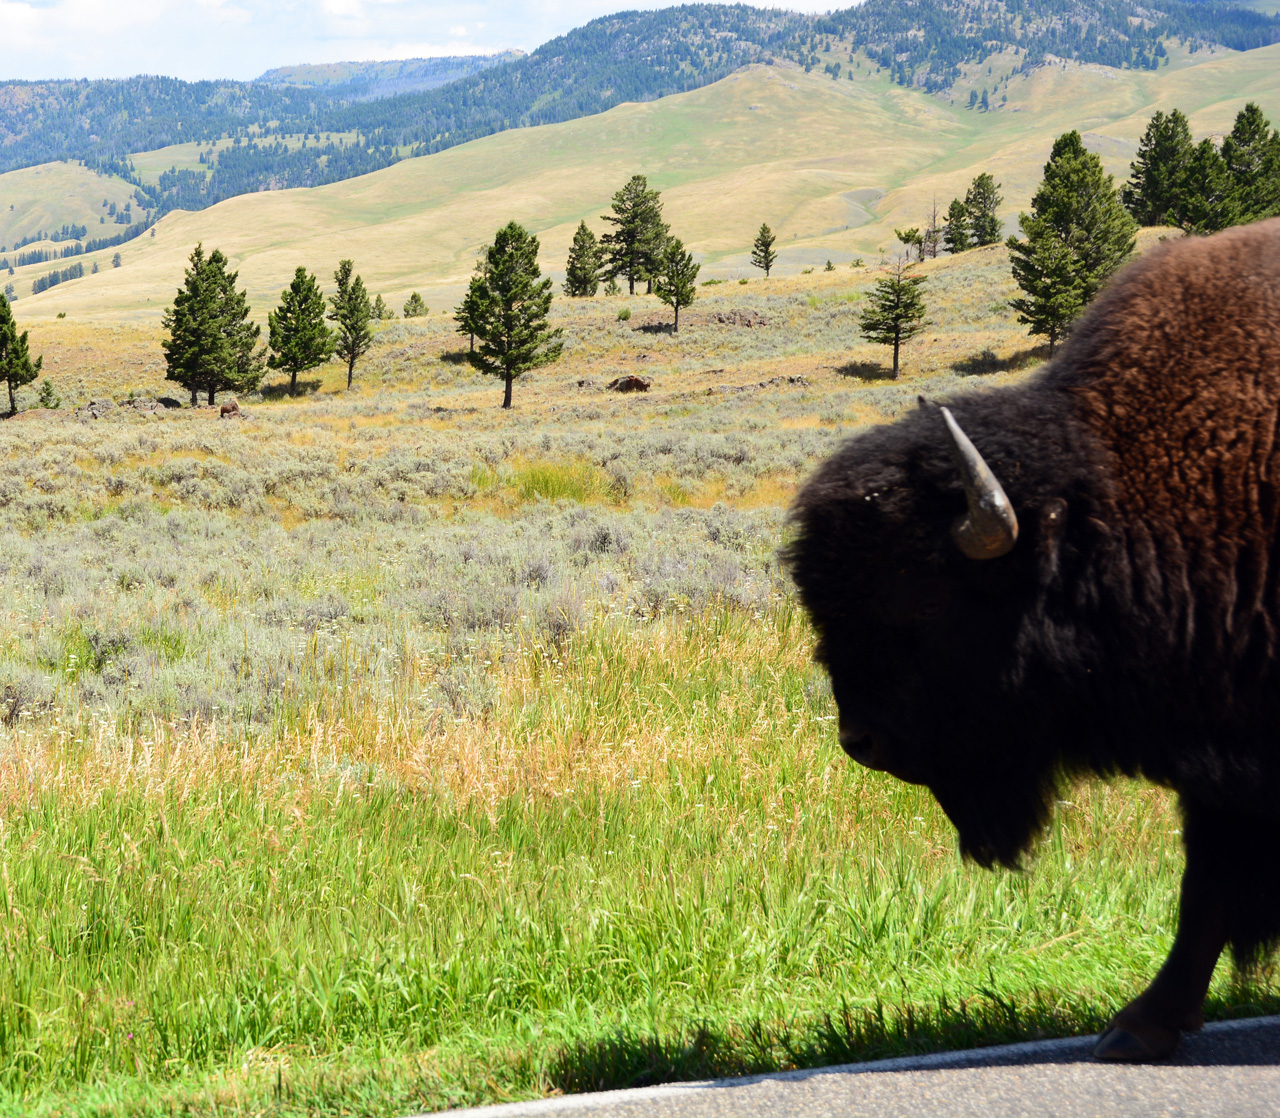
862, 747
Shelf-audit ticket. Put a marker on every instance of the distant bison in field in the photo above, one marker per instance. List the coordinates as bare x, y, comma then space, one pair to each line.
1082, 575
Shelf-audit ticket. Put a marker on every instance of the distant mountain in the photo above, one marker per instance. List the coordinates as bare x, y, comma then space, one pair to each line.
631, 56
367, 81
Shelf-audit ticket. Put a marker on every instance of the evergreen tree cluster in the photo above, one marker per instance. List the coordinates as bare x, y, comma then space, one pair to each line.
212, 345
1203, 187
1077, 236
639, 247
974, 222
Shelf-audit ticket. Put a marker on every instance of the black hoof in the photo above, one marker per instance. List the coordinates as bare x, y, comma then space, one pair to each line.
1119, 1046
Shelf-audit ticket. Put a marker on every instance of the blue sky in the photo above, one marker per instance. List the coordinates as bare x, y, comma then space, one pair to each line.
242, 38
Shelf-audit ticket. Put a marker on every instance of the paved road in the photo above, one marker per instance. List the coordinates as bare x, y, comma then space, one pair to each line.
1231, 1069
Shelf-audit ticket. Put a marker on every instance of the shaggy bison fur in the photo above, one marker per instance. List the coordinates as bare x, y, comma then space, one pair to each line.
1129, 623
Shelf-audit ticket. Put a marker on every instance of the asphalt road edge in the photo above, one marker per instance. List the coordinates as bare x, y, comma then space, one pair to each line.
997, 1054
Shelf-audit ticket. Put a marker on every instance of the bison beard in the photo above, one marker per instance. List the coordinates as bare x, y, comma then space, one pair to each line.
1078, 576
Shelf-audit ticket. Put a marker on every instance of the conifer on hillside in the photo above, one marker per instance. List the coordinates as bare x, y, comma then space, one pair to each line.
352, 312
582, 270
762, 253
1078, 234
415, 306
676, 281
1251, 152
635, 246
955, 233
981, 202
1158, 183
298, 337
895, 309
509, 312
210, 347
16, 366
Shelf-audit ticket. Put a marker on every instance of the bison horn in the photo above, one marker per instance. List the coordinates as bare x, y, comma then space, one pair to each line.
990, 528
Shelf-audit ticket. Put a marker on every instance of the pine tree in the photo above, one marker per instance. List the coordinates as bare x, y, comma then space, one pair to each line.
1251, 152
676, 281
211, 340
16, 366
895, 310
1046, 271
1077, 233
955, 234
762, 254
1158, 179
981, 203
298, 337
639, 236
1207, 203
382, 312
510, 312
582, 271
352, 313
415, 307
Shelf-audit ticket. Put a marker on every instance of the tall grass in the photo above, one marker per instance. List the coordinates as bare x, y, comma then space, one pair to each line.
646, 854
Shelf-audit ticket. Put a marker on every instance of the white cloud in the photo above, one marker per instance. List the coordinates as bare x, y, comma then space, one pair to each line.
242, 38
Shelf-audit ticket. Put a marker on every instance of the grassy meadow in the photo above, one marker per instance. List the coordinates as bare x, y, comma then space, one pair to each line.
832, 166
385, 751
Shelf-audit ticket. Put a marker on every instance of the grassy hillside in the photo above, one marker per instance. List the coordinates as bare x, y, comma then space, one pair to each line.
833, 166
44, 198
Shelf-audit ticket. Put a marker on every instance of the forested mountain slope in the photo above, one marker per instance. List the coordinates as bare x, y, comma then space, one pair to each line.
833, 167
631, 56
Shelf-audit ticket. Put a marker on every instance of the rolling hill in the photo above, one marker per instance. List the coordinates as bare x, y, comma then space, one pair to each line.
833, 166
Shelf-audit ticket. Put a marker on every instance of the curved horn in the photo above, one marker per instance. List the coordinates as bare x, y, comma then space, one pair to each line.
990, 528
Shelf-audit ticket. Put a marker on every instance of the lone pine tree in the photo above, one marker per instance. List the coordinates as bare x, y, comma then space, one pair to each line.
762, 254
415, 306
676, 281
510, 312
895, 310
582, 270
351, 312
1078, 234
16, 366
298, 337
210, 347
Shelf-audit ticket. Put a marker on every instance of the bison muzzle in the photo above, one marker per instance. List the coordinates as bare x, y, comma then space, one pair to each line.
1081, 575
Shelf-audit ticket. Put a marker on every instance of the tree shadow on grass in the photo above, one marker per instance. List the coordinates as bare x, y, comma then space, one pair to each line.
706, 1051
656, 328
865, 370
280, 390
987, 362
456, 357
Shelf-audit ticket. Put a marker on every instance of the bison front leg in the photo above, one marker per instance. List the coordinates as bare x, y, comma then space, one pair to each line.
1151, 1025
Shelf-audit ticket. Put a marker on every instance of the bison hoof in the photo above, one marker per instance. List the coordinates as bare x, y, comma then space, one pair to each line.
1137, 1043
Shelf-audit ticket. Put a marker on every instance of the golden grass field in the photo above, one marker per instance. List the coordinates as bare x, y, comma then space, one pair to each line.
832, 166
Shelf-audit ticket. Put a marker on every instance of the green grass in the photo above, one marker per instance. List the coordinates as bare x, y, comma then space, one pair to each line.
662, 868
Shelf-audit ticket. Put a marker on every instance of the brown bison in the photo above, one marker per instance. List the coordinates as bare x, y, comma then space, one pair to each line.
1082, 575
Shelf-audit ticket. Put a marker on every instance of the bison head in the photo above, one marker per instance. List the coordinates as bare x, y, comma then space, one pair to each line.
927, 558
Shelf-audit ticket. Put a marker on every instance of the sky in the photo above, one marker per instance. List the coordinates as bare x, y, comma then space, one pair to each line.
195, 39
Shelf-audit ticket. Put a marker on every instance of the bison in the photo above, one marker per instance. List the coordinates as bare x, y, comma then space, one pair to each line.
1081, 575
